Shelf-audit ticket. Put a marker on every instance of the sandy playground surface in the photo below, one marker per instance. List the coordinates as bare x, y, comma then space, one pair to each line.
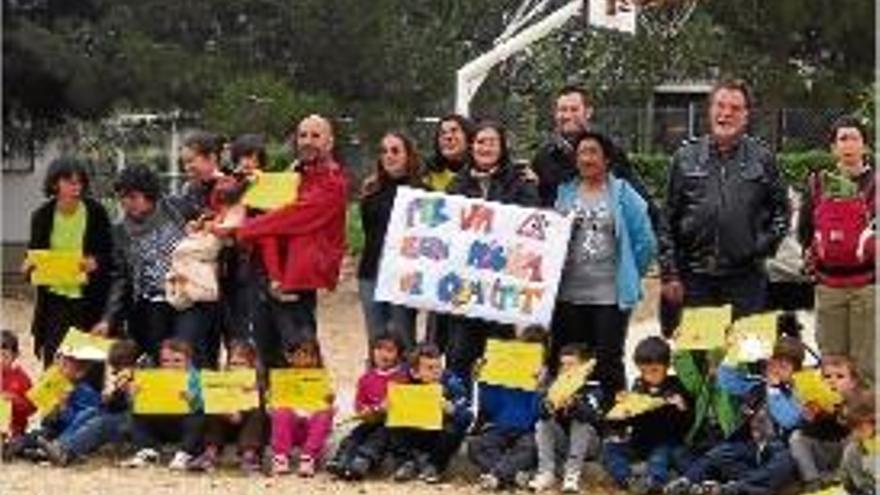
343, 340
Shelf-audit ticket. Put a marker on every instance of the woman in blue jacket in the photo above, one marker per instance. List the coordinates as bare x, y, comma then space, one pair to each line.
611, 246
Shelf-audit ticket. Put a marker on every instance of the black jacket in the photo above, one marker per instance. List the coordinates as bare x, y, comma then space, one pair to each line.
375, 213
585, 406
554, 164
666, 425
506, 185
726, 214
97, 242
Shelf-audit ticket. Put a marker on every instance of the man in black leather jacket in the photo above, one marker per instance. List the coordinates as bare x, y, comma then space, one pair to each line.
727, 210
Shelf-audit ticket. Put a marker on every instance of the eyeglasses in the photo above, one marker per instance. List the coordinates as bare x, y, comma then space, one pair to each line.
393, 150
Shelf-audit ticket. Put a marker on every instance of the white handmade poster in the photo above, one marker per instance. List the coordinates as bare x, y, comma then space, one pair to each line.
472, 257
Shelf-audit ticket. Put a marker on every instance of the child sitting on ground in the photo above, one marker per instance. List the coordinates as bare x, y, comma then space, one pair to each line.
859, 465
246, 427
70, 413
14, 385
755, 459
568, 429
656, 435
307, 431
504, 449
425, 454
817, 446
113, 420
365, 447
149, 432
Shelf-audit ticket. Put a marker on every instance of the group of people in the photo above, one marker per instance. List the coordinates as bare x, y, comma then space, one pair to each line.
181, 276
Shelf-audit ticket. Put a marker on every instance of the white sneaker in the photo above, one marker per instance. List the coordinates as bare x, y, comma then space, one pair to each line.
572, 482
141, 458
180, 461
542, 481
489, 482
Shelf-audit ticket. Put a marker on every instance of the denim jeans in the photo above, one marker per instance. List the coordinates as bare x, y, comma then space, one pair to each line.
282, 324
385, 318
503, 453
101, 429
746, 292
617, 456
152, 322
752, 470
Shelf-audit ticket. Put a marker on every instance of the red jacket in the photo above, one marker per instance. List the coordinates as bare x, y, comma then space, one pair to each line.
302, 245
15, 383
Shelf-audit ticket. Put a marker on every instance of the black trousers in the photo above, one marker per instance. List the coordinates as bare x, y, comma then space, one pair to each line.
154, 431
435, 447
602, 328
282, 324
503, 453
369, 441
152, 322
467, 342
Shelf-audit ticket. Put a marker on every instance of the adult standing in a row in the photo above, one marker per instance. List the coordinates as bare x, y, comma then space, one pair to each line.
841, 247
70, 220
611, 246
452, 137
398, 165
727, 209
301, 244
492, 176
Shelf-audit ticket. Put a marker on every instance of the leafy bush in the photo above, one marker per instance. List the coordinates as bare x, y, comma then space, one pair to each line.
794, 166
354, 234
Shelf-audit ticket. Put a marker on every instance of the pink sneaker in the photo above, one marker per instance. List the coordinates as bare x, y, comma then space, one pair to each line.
280, 464
306, 466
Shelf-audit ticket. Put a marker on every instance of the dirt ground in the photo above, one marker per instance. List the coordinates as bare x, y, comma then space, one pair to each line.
343, 340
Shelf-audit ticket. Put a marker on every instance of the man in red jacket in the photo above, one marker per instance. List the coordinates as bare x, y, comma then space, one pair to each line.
302, 244
14, 384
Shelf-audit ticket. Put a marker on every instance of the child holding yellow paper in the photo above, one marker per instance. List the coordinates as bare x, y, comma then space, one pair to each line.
113, 419
656, 435
150, 431
817, 446
295, 429
365, 447
14, 384
504, 449
245, 426
859, 466
65, 417
424, 454
569, 421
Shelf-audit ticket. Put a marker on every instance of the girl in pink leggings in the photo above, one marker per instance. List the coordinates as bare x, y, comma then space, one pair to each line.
306, 431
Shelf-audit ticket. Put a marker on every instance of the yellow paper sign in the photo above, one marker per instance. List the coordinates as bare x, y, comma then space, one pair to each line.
302, 389
703, 328
5, 415
160, 391
418, 406
810, 387
634, 404
752, 338
56, 267
272, 190
227, 392
567, 384
50, 390
512, 364
86, 346
831, 490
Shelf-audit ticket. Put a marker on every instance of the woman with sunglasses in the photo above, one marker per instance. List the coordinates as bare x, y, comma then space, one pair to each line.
398, 165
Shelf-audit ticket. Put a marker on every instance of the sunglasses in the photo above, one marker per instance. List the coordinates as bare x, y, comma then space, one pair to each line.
393, 150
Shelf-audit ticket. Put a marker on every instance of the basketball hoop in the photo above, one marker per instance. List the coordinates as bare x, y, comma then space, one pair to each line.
663, 18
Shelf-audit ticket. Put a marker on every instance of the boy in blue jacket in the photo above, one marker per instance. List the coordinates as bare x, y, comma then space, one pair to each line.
755, 459
425, 454
81, 404
504, 449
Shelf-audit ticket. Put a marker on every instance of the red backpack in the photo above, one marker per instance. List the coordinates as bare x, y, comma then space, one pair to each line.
843, 236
